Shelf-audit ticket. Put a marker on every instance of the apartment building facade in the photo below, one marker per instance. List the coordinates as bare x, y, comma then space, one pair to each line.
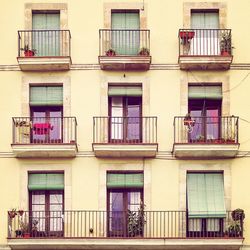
128, 127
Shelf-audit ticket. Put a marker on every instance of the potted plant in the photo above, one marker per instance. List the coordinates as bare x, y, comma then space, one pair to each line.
238, 214
24, 226
34, 229
186, 36
12, 213
144, 52
188, 120
28, 52
136, 221
234, 229
225, 43
110, 52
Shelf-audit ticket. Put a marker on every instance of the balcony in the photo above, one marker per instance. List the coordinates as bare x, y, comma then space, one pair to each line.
44, 137
206, 137
111, 230
125, 136
202, 49
44, 50
124, 49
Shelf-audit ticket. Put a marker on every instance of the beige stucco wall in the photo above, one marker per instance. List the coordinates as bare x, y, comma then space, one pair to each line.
164, 96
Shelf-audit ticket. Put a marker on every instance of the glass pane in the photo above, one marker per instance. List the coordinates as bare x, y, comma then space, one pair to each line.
116, 120
194, 225
196, 134
134, 199
38, 198
56, 126
116, 219
39, 132
212, 124
56, 198
134, 120
213, 225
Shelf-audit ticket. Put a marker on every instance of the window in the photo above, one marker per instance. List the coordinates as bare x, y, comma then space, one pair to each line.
205, 204
46, 203
206, 39
125, 192
46, 108
125, 108
46, 40
125, 26
204, 103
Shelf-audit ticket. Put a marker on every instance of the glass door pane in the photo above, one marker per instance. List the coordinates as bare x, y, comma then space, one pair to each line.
116, 118
56, 210
212, 124
38, 207
55, 124
133, 128
39, 129
117, 219
197, 133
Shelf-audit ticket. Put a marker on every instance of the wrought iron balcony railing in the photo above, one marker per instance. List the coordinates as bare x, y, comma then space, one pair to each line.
124, 42
205, 42
107, 224
44, 43
38, 130
206, 129
125, 130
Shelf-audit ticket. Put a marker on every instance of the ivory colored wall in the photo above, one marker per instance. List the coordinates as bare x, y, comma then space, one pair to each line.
166, 83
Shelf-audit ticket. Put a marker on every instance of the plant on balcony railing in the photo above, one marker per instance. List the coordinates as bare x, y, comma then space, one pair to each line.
144, 52
110, 52
28, 52
235, 228
225, 44
186, 36
136, 221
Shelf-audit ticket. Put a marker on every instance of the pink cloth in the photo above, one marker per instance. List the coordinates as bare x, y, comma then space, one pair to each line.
42, 128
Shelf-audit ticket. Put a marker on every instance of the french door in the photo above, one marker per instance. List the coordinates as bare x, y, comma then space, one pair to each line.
125, 119
46, 208
47, 125
207, 124
119, 202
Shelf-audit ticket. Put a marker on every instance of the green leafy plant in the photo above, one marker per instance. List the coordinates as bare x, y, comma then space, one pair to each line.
238, 214
136, 221
225, 42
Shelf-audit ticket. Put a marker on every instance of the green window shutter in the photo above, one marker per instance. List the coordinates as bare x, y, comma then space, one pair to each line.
205, 193
196, 194
46, 43
197, 20
215, 195
125, 42
205, 20
118, 20
125, 91
212, 20
46, 181
205, 92
46, 96
124, 180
